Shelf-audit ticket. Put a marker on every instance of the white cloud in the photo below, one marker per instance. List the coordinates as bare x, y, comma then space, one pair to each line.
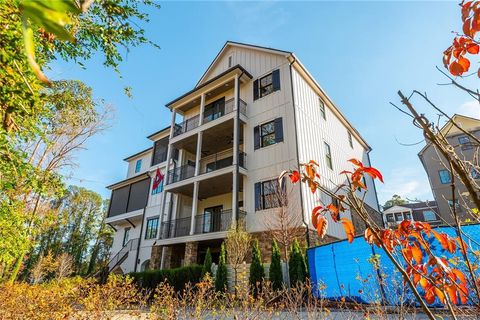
470, 109
407, 182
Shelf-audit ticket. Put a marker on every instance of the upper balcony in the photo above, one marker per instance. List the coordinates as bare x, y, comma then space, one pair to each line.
214, 111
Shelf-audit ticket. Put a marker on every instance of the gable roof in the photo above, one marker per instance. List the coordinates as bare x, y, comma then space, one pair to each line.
229, 44
412, 206
449, 129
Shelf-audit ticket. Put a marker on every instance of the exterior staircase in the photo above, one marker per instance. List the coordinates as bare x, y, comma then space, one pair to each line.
122, 254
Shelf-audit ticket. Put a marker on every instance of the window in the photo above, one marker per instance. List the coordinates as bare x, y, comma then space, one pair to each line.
126, 235
350, 139
266, 84
390, 217
328, 156
129, 198
138, 165
457, 206
266, 195
230, 61
152, 227
408, 216
429, 215
268, 133
465, 142
445, 176
398, 216
214, 110
159, 188
160, 148
475, 173
322, 108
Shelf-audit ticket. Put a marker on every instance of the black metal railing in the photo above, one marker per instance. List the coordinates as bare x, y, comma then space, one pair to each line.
193, 122
204, 223
181, 173
218, 164
122, 254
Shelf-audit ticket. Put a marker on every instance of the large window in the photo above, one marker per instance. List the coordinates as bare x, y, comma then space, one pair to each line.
268, 133
266, 84
429, 215
138, 166
160, 148
126, 236
129, 198
328, 156
445, 176
465, 142
322, 108
152, 227
267, 195
214, 110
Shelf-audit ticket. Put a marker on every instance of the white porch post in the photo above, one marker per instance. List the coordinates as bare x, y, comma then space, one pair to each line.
202, 109
194, 207
235, 152
199, 153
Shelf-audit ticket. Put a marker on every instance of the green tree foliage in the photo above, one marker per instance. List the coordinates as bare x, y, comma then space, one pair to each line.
257, 271
395, 201
297, 267
207, 263
221, 282
275, 272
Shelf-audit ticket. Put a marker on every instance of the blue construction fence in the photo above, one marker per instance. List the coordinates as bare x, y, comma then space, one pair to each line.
363, 273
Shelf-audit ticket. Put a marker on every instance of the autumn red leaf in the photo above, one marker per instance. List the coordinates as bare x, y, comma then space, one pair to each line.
417, 253
322, 227
294, 176
315, 214
349, 229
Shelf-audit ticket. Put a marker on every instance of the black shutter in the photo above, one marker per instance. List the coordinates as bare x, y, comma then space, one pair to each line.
258, 196
278, 130
256, 137
276, 80
255, 89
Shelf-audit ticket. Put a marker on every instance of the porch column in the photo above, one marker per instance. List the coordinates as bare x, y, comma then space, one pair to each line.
169, 155
199, 153
236, 136
202, 109
194, 207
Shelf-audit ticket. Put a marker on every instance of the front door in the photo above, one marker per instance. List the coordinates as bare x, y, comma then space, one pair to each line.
212, 219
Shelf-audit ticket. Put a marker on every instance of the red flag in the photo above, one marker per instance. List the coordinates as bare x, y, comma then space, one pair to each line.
158, 179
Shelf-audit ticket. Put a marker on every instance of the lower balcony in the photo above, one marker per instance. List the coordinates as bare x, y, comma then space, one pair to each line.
204, 223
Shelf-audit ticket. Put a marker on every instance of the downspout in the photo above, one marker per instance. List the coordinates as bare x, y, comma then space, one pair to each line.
375, 188
307, 233
237, 166
139, 239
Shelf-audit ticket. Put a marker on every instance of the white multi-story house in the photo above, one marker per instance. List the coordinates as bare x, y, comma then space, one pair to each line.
254, 112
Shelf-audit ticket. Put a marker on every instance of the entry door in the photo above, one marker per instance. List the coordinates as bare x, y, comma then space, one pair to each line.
215, 110
212, 219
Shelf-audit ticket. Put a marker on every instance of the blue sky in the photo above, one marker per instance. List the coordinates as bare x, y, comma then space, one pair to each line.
361, 53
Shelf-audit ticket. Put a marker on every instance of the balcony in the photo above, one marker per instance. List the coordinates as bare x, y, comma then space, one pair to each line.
204, 223
208, 116
181, 173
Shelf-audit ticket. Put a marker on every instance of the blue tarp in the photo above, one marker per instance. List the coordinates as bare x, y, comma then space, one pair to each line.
343, 269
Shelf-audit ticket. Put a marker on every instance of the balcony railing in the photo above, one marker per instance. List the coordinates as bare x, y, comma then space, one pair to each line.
121, 255
210, 115
204, 223
225, 162
181, 173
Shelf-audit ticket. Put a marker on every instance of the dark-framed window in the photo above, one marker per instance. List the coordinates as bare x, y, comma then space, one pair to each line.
267, 84
465, 142
126, 236
444, 176
267, 195
159, 188
451, 204
429, 215
322, 108
390, 217
350, 139
160, 149
138, 165
152, 227
268, 133
214, 110
328, 156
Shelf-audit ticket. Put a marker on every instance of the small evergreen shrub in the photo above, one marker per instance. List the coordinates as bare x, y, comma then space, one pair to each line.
275, 272
257, 272
177, 277
221, 282
207, 263
297, 267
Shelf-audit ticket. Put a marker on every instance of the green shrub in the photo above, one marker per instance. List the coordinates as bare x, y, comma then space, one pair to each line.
275, 272
257, 272
297, 268
221, 283
207, 263
177, 277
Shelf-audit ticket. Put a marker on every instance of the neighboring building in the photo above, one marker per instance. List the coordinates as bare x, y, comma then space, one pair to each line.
255, 112
418, 211
438, 170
